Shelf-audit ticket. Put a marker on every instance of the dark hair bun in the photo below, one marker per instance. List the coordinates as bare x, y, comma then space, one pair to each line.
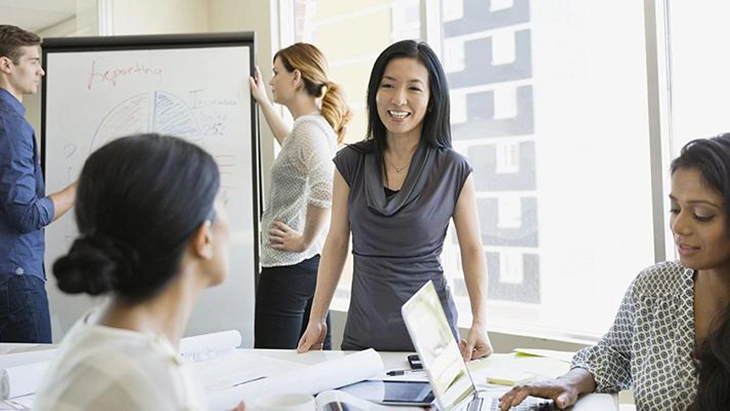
95, 264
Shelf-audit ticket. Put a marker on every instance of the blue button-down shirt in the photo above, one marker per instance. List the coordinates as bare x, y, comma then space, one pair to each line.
24, 208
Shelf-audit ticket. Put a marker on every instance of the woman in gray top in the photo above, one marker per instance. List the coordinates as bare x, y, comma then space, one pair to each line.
674, 315
396, 193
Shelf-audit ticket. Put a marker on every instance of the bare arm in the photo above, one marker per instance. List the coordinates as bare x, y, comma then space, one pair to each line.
283, 237
333, 259
63, 200
275, 122
564, 390
466, 221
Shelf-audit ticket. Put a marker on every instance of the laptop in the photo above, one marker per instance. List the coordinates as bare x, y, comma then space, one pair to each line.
452, 384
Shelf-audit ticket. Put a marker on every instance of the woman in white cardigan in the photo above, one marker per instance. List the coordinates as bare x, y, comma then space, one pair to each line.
296, 218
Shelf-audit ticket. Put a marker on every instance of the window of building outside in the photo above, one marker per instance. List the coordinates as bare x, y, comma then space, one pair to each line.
699, 78
549, 103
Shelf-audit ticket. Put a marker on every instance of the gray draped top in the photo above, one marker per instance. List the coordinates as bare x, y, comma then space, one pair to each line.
397, 240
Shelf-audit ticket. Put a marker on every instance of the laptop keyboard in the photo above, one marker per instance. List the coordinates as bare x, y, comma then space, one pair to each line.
530, 404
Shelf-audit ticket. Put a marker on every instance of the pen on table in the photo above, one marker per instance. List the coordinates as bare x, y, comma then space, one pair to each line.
394, 373
248, 381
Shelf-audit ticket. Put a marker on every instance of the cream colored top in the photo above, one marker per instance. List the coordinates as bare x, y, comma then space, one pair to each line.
104, 368
301, 175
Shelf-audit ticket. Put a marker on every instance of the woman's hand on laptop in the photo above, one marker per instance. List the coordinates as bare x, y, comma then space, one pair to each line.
477, 343
564, 390
562, 393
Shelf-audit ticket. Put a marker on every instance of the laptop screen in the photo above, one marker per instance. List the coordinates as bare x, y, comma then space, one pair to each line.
439, 351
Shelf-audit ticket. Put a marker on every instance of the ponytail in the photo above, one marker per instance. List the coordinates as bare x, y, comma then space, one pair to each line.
335, 110
311, 63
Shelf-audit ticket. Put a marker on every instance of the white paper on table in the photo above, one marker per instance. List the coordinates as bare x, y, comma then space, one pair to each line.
208, 346
22, 358
565, 356
237, 368
20, 403
14, 348
21, 379
309, 380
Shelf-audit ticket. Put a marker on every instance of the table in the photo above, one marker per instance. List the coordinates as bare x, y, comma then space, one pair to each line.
398, 360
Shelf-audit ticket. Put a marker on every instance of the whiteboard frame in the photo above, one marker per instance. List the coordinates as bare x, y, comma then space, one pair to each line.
176, 41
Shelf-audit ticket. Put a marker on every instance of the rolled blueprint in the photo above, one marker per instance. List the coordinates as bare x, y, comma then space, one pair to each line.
21, 379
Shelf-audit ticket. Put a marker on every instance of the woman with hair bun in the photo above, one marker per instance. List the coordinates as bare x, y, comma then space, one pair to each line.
153, 234
296, 219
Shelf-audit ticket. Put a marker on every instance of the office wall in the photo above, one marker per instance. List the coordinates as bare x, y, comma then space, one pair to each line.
72, 27
261, 17
159, 16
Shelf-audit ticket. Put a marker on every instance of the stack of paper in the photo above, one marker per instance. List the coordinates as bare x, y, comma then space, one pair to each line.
208, 346
309, 380
521, 366
235, 369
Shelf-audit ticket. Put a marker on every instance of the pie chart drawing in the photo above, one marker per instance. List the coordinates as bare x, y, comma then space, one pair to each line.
155, 111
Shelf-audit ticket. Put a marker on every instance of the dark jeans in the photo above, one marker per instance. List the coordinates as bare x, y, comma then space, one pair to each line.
283, 302
24, 316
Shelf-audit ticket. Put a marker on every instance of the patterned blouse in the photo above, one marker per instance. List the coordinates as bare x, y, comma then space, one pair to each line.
301, 175
650, 346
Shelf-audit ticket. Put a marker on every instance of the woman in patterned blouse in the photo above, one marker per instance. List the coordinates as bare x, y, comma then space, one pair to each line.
669, 341
296, 218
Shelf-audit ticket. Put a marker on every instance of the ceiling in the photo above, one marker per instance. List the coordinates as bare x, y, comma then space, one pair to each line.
36, 15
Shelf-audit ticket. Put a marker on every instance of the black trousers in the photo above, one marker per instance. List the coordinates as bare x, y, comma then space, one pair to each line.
283, 302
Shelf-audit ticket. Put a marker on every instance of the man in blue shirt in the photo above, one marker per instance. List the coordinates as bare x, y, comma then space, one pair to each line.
24, 207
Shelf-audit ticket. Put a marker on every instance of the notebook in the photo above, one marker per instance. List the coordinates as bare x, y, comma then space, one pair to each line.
452, 384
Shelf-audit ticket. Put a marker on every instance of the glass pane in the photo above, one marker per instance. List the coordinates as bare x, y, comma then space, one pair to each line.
699, 65
549, 104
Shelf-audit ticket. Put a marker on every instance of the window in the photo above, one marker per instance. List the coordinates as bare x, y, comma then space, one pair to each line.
549, 103
699, 78
551, 98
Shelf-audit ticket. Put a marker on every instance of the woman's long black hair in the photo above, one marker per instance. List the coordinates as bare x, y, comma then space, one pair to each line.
712, 158
437, 121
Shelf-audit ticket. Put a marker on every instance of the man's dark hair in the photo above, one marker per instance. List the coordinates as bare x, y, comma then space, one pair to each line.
12, 38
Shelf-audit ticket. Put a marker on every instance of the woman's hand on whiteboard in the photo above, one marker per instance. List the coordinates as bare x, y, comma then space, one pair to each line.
240, 407
313, 337
258, 90
283, 237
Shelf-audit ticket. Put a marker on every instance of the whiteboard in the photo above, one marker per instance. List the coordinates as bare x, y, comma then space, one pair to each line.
195, 87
